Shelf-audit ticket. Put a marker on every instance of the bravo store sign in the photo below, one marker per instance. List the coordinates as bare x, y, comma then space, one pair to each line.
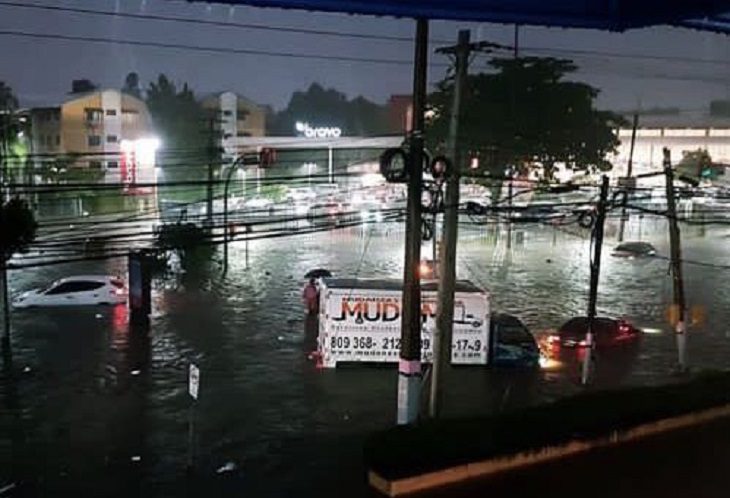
362, 324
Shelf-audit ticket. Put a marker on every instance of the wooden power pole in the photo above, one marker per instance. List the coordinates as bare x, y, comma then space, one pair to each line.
680, 308
447, 266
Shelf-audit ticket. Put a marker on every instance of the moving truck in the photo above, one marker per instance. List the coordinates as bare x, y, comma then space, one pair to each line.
360, 321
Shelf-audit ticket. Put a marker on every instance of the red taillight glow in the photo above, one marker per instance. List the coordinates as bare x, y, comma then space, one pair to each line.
553, 338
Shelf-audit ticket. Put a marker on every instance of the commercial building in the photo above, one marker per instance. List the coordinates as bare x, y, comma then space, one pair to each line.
104, 130
681, 133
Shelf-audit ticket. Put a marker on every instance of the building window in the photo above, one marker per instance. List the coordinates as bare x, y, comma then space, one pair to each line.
129, 115
94, 140
95, 164
94, 115
58, 140
227, 113
57, 114
112, 164
111, 139
111, 112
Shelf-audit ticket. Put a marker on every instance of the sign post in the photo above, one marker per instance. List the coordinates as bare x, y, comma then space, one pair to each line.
193, 390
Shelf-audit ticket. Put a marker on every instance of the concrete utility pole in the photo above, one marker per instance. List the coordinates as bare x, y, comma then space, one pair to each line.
6, 303
447, 266
595, 273
628, 183
409, 367
209, 185
676, 263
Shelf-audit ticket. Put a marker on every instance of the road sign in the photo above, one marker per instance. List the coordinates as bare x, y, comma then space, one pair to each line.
193, 381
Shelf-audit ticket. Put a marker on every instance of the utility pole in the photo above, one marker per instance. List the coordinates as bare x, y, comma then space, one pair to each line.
512, 170
209, 185
6, 302
676, 265
447, 266
409, 366
628, 185
595, 273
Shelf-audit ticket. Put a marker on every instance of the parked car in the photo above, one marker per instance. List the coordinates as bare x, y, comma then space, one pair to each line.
512, 343
634, 250
607, 333
79, 290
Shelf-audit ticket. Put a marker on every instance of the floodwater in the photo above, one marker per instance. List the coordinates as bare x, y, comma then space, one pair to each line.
92, 406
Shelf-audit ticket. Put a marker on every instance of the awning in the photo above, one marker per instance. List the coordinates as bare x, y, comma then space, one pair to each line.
616, 15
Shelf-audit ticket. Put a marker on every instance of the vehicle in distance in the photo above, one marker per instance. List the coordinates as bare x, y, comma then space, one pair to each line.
607, 333
634, 250
512, 344
82, 290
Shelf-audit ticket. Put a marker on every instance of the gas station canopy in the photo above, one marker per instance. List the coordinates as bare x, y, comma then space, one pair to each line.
614, 15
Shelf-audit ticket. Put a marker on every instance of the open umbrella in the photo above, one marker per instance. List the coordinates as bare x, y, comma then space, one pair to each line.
318, 273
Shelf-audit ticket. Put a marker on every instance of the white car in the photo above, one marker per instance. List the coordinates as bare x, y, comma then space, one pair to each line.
80, 290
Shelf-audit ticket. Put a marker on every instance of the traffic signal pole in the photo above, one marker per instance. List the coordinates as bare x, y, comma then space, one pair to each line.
447, 266
409, 366
680, 306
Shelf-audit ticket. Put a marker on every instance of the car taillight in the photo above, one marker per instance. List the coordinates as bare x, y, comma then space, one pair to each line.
553, 338
583, 343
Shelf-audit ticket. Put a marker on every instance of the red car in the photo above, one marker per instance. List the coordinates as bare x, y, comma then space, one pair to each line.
607, 333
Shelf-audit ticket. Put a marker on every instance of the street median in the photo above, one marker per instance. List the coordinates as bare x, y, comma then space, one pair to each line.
434, 453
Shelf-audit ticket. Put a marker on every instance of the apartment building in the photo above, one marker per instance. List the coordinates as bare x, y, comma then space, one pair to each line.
237, 117
105, 130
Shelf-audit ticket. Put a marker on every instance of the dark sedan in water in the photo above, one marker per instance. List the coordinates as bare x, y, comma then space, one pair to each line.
512, 344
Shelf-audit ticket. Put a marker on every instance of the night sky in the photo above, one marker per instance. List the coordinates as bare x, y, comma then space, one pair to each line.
695, 66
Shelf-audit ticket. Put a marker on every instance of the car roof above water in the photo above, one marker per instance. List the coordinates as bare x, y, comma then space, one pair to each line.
87, 278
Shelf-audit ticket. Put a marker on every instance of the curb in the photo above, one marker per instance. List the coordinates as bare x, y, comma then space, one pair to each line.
459, 473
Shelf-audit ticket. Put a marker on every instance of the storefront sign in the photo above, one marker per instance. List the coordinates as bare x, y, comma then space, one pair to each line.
318, 132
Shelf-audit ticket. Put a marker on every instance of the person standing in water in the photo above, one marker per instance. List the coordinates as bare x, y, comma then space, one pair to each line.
310, 296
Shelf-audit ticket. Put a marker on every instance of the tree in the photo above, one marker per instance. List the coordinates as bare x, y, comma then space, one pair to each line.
131, 85
182, 126
525, 113
17, 231
8, 130
17, 228
328, 107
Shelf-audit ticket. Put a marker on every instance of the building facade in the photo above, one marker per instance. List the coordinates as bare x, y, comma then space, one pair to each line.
237, 117
681, 134
105, 130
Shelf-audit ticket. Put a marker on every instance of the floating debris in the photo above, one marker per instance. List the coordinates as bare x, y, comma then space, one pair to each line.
228, 467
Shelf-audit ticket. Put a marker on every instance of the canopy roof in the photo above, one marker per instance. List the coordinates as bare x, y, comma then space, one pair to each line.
614, 15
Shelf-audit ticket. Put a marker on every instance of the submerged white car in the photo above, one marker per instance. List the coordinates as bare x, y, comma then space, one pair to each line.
82, 290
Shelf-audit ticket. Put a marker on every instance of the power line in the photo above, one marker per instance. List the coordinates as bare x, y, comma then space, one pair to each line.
204, 22
198, 48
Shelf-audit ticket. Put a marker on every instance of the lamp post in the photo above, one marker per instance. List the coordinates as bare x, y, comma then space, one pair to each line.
240, 161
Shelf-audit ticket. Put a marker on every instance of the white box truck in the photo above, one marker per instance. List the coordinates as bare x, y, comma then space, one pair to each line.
360, 321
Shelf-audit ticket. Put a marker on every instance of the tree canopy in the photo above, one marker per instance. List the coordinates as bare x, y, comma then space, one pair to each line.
17, 228
328, 107
525, 112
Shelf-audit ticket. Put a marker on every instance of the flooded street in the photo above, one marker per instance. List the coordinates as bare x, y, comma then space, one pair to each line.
94, 406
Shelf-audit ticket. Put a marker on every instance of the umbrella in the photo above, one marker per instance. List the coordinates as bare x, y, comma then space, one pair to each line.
318, 273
